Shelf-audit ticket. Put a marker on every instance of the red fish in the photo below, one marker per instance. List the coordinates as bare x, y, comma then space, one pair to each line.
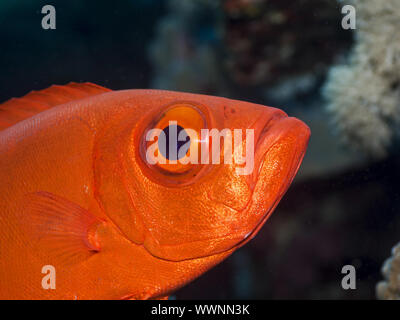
79, 196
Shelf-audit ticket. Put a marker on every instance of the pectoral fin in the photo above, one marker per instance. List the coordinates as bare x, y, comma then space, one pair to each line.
59, 228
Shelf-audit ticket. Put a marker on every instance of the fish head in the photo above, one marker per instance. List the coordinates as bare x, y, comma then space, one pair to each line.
186, 209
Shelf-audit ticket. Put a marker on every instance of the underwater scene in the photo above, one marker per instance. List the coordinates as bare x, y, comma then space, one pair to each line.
116, 123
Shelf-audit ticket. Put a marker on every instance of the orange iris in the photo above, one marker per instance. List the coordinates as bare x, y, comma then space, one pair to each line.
173, 145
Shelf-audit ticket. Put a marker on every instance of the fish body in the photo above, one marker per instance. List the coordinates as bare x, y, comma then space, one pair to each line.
77, 192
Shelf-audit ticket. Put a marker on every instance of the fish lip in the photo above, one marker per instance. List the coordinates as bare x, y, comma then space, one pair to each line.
264, 143
296, 161
262, 127
266, 121
251, 234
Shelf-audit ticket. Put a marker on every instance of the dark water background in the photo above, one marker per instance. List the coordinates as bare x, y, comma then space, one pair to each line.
341, 209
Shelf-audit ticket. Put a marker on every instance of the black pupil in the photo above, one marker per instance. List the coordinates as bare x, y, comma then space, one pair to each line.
169, 133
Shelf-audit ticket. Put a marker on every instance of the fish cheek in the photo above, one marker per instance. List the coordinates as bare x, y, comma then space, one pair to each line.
112, 184
203, 229
231, 190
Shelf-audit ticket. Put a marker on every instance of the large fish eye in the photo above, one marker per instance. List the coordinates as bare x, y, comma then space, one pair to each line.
179, 147
172, 143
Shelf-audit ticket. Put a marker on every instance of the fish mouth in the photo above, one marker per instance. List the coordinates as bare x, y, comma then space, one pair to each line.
291, 136
281, 141
264, 130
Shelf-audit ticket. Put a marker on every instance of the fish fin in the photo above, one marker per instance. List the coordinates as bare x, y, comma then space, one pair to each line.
59, 228
18, 109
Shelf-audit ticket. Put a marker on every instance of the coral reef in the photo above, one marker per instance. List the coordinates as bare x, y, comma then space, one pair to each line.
363, 94
264, 42
232, 47
389, 289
